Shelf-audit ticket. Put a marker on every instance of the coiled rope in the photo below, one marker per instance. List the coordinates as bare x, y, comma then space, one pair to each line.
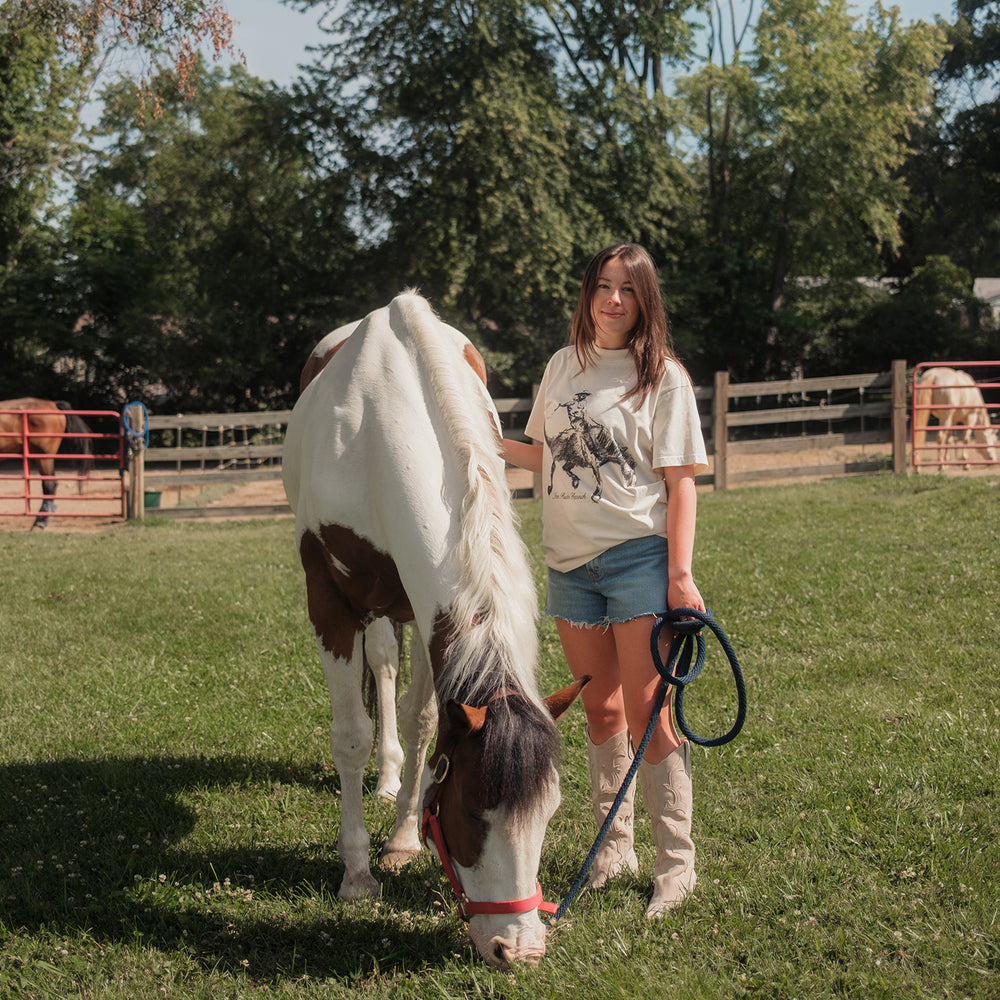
687, 625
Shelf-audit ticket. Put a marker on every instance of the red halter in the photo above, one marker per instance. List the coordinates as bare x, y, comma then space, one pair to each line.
467, 908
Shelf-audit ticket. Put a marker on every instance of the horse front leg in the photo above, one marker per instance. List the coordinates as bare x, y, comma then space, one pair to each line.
418, 719
350, 744
382, 652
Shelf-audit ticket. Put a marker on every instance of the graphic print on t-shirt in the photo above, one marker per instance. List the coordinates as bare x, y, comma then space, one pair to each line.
587, 445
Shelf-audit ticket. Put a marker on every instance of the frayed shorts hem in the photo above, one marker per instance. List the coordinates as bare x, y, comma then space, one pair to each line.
607, 622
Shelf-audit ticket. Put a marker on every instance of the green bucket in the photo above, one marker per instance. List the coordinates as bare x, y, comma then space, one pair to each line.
151, 499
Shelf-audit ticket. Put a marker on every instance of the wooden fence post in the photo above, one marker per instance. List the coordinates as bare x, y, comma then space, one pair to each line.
134, 420
720, 428
899, 434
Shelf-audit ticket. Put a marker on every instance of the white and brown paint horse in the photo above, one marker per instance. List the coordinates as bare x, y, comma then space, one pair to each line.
954, 399
392, 466
42, 428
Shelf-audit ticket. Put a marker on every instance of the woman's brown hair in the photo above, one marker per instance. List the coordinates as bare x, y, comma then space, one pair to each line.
649, 342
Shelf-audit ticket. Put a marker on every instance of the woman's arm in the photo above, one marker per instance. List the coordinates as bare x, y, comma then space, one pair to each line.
682, 508
523, 454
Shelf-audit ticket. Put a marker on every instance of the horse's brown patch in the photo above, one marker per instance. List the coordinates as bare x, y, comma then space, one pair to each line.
475, 361
348, 581
316, 363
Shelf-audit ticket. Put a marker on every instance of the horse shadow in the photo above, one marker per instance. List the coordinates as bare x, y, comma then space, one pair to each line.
97, 847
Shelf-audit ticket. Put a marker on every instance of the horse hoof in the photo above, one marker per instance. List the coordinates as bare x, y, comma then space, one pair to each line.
396, 860
387, 790
356, 887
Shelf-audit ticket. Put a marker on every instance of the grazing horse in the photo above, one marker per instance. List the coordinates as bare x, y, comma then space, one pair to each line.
402, 510
955, 400
46, 426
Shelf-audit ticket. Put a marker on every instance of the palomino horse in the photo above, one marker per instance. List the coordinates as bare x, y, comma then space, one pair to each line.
46, 425
402, 510
955, 400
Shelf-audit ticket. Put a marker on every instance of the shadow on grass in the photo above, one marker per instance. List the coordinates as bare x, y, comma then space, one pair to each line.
89, 848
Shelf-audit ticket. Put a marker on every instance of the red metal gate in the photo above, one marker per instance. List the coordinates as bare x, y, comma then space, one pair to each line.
952, 414
96, 467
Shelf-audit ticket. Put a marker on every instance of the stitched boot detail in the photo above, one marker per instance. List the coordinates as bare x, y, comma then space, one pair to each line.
609, 763
666, 791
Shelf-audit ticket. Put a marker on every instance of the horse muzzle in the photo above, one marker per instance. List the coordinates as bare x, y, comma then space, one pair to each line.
520, 940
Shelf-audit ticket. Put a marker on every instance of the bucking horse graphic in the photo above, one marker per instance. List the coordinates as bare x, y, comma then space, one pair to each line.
587, 445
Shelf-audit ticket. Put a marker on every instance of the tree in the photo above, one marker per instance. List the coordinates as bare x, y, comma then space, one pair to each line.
930, 314
176, 29
207, 250
955, 181
40, 105
51, 54
802, 180
632, 40
492, 153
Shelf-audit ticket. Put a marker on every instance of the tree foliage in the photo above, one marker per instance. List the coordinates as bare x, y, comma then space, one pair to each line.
176, 29
201, 246
41, 95
494, 145
955, 179
191, 250
801, 144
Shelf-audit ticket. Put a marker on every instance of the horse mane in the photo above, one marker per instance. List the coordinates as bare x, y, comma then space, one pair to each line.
493, 641
519, 749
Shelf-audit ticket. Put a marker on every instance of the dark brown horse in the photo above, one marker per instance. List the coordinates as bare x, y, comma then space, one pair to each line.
38, 427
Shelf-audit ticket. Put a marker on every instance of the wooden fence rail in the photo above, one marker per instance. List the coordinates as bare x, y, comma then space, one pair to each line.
790, 416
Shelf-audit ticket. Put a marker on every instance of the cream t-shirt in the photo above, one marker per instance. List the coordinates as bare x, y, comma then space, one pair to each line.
602, 458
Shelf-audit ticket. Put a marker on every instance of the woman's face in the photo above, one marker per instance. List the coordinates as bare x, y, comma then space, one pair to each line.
614, 307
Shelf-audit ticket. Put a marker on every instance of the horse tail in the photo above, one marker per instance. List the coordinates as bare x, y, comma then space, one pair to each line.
78, 445
493, 635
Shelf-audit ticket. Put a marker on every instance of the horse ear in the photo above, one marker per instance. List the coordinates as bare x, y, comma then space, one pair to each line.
558, 704
465, 720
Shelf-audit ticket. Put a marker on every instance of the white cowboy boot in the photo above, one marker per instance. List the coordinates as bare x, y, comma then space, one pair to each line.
666, 791
609, 764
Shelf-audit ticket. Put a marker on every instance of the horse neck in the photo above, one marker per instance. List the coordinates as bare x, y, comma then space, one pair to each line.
493, 640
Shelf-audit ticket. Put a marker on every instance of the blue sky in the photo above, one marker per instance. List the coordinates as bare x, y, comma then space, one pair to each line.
274, 37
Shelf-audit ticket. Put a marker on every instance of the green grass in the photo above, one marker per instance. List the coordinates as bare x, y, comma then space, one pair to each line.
169, 813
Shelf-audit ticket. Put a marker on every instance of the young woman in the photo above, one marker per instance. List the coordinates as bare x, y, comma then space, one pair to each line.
621, 445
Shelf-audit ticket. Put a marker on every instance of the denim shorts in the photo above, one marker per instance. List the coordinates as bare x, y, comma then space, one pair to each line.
627, 581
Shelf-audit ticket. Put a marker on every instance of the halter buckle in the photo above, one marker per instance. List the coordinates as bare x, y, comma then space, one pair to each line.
441, 772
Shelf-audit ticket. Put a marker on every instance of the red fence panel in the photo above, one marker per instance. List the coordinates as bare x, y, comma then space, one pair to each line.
92, 459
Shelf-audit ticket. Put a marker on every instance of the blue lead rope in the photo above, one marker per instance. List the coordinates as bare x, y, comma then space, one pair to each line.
687, 625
